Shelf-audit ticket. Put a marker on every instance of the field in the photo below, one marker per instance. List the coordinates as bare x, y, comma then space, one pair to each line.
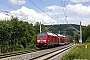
79, 52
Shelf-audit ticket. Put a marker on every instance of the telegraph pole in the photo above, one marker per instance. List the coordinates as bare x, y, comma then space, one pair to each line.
40, 27
80, 40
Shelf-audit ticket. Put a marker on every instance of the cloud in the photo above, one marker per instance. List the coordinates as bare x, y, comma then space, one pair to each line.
79, 9
54, 10
53, 7
17, 2
77, 1
79, 13
4, 17
75, 13
31, 16
86, 21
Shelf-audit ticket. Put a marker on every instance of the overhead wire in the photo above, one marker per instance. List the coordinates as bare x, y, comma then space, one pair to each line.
64, 10
8, 12
45, 5
39, 8
63, 5
76, 33
50, 10
7, 5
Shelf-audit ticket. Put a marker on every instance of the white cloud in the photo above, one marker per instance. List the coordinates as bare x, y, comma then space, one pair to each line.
76, 1
79, 9
54, 10
86, 21
31, 16
53, 7
17, 2
75, 13
4, 17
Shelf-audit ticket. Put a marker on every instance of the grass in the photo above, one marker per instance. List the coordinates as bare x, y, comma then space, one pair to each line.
78, 52
19, 51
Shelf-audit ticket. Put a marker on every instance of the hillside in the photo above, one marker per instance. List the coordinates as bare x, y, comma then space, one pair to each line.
63, 28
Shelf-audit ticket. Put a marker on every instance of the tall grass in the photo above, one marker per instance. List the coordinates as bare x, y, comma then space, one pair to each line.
78, 52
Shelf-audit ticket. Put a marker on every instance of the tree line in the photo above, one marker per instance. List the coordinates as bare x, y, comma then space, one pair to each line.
63, 28
16, 35
86, 34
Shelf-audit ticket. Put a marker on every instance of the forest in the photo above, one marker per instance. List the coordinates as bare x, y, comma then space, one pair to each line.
18, 35
65, 29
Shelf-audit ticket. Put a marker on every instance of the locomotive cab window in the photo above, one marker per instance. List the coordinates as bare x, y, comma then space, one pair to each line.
43, 35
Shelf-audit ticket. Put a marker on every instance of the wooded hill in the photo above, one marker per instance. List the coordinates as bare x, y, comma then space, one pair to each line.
65, 29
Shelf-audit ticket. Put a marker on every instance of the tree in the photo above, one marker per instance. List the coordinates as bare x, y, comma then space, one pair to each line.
86, 33
16, 35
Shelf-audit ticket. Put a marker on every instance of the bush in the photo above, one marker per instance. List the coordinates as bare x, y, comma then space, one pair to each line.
78, 52
88, 39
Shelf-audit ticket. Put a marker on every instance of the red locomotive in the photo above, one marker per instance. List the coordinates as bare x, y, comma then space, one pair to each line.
46, 39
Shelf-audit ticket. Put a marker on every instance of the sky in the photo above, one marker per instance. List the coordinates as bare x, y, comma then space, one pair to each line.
48, 12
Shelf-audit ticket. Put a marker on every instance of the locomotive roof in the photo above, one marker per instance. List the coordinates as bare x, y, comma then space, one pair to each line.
61, 35
51, 34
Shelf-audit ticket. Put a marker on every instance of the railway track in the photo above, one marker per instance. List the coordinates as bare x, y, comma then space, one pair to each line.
49, 55
18, 53
36, 54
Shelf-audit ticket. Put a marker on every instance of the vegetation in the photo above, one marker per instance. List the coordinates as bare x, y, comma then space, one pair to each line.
86, 34
79, 52
16, 35
63, 28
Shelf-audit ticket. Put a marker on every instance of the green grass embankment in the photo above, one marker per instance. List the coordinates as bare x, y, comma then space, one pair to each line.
79, 52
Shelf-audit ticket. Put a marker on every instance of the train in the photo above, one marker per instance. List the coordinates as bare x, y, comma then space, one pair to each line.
47, 39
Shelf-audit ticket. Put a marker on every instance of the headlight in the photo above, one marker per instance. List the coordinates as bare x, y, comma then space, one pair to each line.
44, 41
38, 41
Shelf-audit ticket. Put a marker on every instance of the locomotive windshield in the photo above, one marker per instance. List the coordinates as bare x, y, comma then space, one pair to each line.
43, 35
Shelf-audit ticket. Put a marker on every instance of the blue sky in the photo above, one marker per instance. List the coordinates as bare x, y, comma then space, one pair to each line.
76, 11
